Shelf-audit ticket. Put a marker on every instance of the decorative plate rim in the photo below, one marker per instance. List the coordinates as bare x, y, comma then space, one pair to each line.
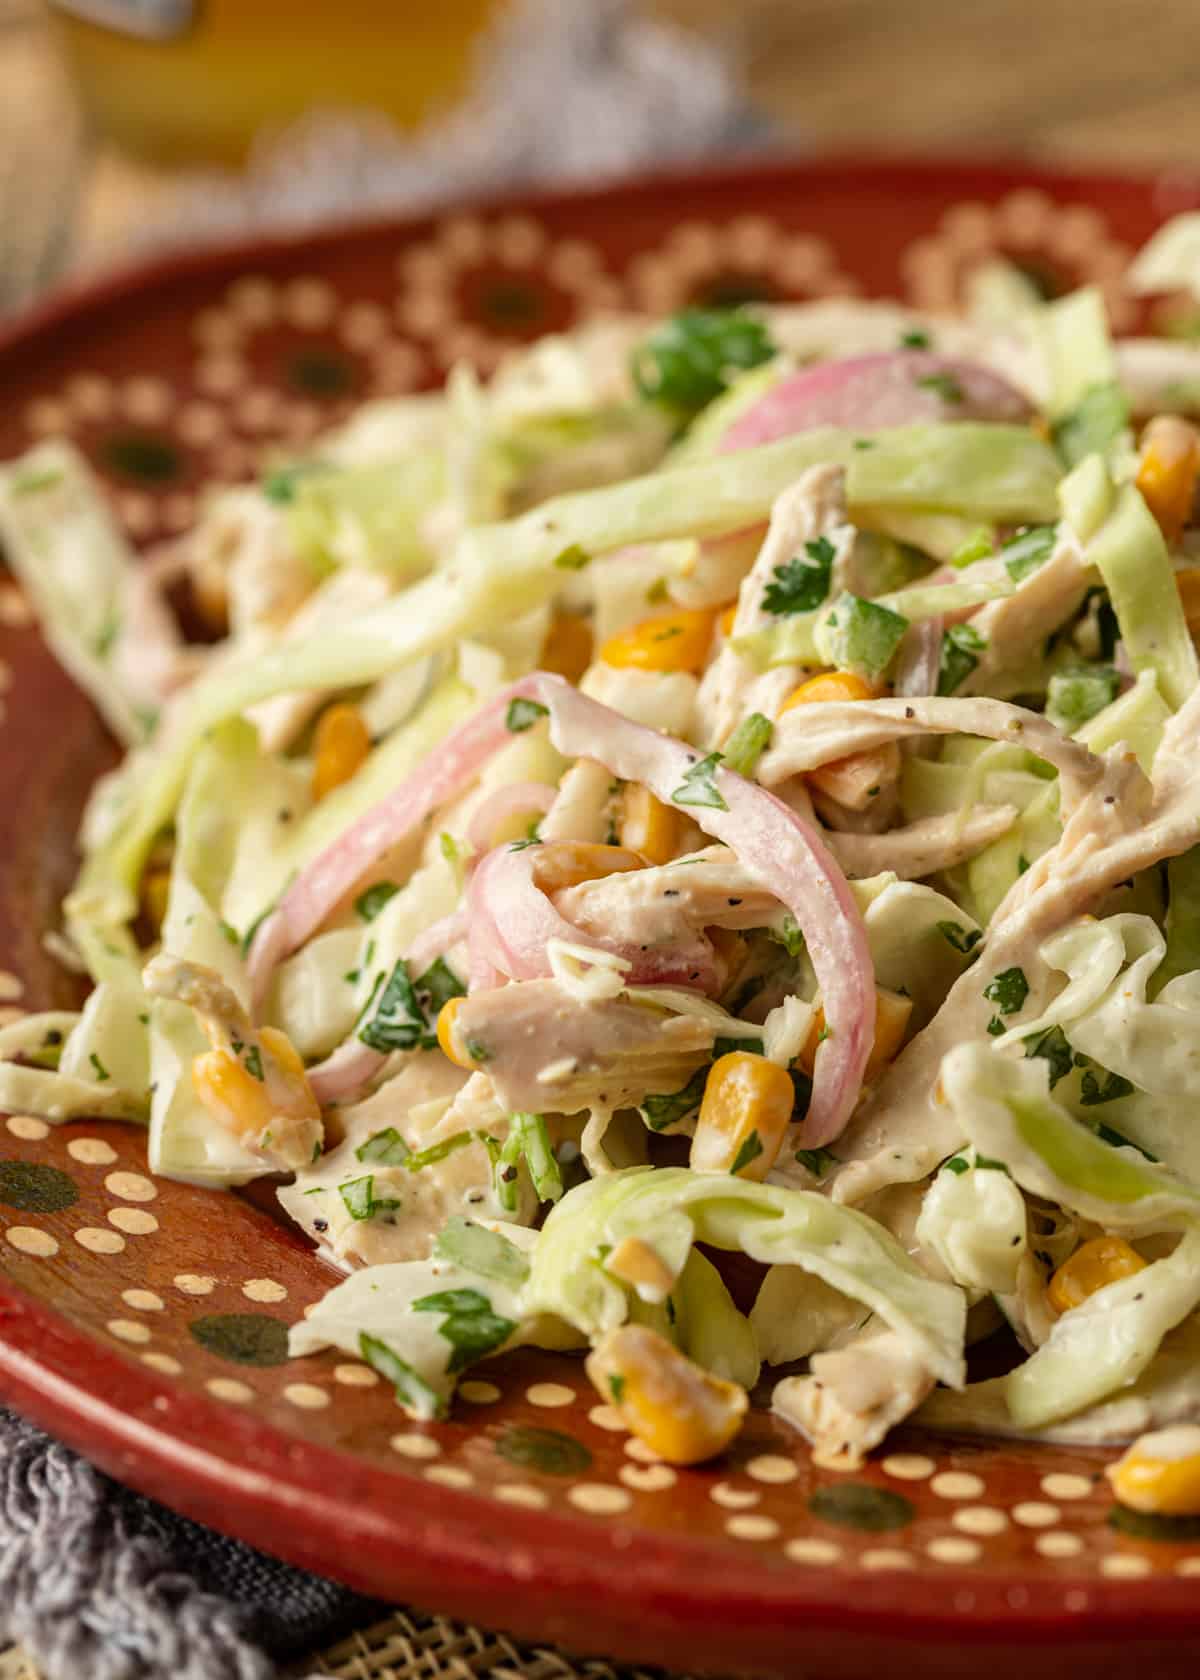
461, 1551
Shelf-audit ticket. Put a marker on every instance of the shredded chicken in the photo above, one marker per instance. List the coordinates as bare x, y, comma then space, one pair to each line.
923, 847
853, 1396
1015, 628
670, 905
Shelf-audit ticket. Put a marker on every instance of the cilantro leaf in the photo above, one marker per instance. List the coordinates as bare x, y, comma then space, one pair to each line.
957, 936
523, 714
358, 1196
1008, 990
787, 934
819, 1162
1115, 1086
961, 647
387, 1148
573, 559
751, 1149
668, 1109
471, 1327
915, 339
1052, 1047
396, 1021
477, 1249
688, 360
439, 984
803, 584
943, 385
435, 1152
411, 1388
699, 785
368, 904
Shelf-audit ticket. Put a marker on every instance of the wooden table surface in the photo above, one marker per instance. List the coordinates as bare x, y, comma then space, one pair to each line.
1104, 82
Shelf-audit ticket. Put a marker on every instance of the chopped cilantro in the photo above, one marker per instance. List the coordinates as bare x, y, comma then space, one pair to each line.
471, 1327
1008, 990
573, 559
436, 1152
957, 936
368, 904
961, 647
477, 1050
1052, 1047
394, 1020
787, 934
688, 360
803, 584
449, 847
280, 485
819, 1162
411, 1388
98, 1067
995, 1027
668, 1109
1115, 1086
748, 743
750, 1151
657, 593
616, 1386
252, 1061
1107, 1134
358, 1195
943, 385
230, 933
915, 339
956, 1164
477, 1249
523, 714
438, 984
699, 785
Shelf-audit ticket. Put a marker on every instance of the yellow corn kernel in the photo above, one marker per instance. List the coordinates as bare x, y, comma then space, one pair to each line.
675, 641
1167, 470
565, 863
1161, 1473
340, 745
567, 650
891, 1023
727, 616
830, 685
156, 888
679, 1411
447, 1037
1102, 1261
648, 826
233, 1096
636, 1263
284, 1053
745, 1112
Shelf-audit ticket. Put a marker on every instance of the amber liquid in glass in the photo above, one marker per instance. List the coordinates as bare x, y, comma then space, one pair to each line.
223, 71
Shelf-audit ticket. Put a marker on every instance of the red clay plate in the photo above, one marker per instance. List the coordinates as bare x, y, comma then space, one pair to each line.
144, 1321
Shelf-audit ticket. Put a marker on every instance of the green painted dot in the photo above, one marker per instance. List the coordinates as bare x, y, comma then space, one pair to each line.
244, 1338
320, 373
1145, 1525
144, 457
510, 303
732, 291
859, 1505
34, 1189
548, 1450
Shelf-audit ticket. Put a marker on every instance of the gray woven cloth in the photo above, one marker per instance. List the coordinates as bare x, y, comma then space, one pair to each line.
96, 1582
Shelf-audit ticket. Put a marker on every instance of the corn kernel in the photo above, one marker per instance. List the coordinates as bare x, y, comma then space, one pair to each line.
567, 650
891, 1023
648, 826
237, 1100
1167, 470
747, 1105
284, 1053
725, 621
565, 863
675, 641
341, 744
1161, 1473
678, 1410
1096, 1264
448, 1038
830, 685
636, 1263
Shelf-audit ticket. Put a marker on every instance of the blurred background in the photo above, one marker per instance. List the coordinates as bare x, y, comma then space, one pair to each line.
129, 124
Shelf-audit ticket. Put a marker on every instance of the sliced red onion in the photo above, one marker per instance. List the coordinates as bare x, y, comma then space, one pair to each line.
517, 799
890, 388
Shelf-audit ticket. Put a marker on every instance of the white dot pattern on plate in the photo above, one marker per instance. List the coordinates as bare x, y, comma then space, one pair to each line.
28, 1127
307, 1396
521, 1493
98, 1241
606, 1417
355, 1376
1188, 1566
263, 1289
1062, 1486
416, 1446
813, 1551
449, 1475
957, 1484
477, 1393
195, 1283
1125, 1566
91, 1152
229, 1388
131, 1186
734, 1499
549, 1394
1058, 1544
639, 1450
135, 1221
950, 1549
128, 1330
599, 1498
164, 1362
750, 1527
980, 1519
27, 1239
908, 1467
887, 1557
650, 1478
772, 1468
1032, 1513
11, 986
142, 1300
